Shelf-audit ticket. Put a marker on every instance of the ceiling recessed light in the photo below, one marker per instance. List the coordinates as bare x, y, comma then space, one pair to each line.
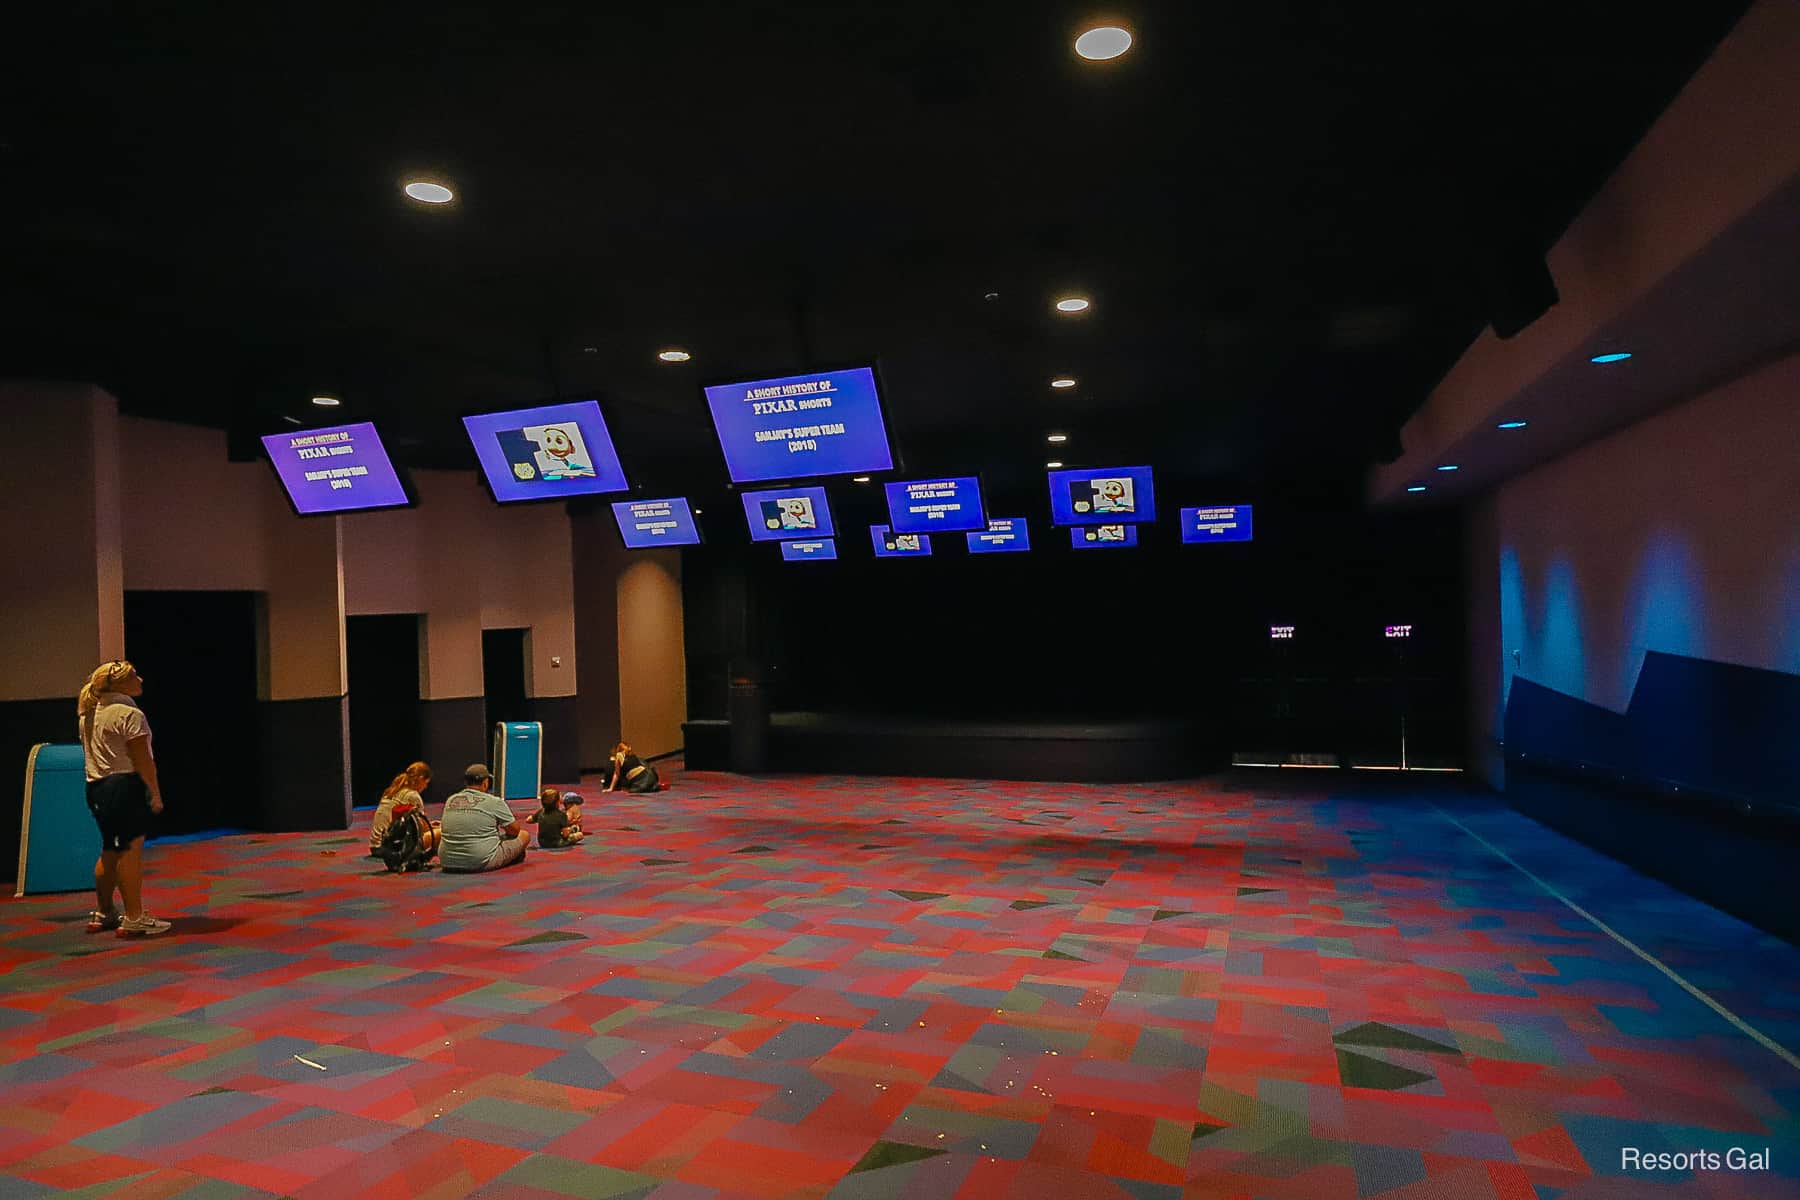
426, 192
674, 355
1052, 465
1610, 358
590, 349
326, 401
859, 479
1448, 467
1057, 437
1417, 487
1102, 43
293, 420
698, 511
1062, 381
1511, 425
1072, 304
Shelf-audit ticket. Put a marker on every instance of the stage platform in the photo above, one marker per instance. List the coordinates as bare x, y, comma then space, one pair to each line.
1084, 752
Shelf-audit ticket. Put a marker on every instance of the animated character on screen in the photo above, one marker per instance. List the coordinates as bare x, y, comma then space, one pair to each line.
1102, 496
790, 512
547, 452
1106, 533
902, 542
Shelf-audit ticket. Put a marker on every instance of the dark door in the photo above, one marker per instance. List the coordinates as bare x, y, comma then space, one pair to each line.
503, 675
197, 654
383, 665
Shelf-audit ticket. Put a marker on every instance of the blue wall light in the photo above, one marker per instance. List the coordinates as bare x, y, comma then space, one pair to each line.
1609, 358
1449, 467
1511, 425
1417, 487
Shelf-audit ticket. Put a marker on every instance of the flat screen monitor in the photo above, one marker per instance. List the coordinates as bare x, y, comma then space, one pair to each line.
1100, 537
810, 550
1220, 523
337, 469
1102, 496
550, 452
1003, 535
647, 524
777, 514
801, 426
944, 505
889, 544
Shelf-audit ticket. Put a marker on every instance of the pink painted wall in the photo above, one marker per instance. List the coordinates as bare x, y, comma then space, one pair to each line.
1679, 534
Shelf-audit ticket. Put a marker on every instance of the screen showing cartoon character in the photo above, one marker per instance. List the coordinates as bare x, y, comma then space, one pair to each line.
1102, 496
789, 513
1093, 537
889, 544
545, 453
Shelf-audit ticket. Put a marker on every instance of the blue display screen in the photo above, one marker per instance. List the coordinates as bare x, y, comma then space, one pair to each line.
338, 469
1221, 523
811, 550
546, 453
800, 426
646, 524
1099, 537
1003, 535
936, 505
889, 544
782, 513
1102, 496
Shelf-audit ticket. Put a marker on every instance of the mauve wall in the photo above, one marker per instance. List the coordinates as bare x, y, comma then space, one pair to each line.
1680, 534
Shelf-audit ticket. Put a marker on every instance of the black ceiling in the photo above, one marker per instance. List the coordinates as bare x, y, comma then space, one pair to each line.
1288, 216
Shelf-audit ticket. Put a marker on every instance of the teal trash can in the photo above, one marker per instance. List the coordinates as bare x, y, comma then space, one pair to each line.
57, 838
519, 759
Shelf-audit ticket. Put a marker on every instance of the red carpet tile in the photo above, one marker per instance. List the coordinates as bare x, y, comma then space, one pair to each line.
888, 988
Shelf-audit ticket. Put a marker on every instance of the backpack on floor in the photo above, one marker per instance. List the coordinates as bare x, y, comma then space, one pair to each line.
408, 843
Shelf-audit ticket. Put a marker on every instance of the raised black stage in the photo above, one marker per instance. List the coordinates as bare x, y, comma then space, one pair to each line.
1087, 752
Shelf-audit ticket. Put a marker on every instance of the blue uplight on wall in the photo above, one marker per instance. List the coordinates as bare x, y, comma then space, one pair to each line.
1448, 467
1417, 487
1511, 425
1609, 358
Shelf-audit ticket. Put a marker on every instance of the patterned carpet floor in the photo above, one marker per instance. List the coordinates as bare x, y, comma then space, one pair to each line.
1247, 986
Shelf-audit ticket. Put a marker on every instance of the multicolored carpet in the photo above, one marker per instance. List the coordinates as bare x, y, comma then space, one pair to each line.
892, 988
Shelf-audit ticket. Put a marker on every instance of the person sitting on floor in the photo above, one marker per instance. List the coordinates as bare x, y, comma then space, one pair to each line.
631, 773
559, 820
407, 791
480, 832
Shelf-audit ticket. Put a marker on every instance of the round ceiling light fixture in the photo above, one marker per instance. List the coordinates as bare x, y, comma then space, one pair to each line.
674, 354
1058, 438
1052, 465
859, 479
326, 401
1062, 381
1103, 42
426, 192
1072, 304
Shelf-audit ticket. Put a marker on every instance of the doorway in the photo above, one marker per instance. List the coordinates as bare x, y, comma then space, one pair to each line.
382, 654
503, 675
197, 654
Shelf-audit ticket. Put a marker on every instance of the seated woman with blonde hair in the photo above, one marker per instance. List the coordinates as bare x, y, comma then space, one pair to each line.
630, 773
406, 792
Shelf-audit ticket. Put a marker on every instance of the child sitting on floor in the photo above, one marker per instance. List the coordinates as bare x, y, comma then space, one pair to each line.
559, 820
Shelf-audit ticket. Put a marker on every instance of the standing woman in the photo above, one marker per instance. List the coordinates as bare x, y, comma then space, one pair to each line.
122, 793
631, 773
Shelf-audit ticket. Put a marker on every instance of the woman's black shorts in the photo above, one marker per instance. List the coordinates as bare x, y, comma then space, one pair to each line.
121, 807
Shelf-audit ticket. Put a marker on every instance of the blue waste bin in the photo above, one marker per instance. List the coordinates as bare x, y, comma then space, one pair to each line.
519, 759
57, 839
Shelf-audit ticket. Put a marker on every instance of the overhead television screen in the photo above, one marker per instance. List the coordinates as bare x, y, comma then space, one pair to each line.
1102, 496
1220, 523
944, 505
810, 550
889, 544
1003, 535
778, 514
337, 469
801, 426
550, 452
1099, 537
647, 524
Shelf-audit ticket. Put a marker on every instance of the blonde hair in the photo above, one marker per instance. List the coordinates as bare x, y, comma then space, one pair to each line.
621, 748
416, 776
105, 678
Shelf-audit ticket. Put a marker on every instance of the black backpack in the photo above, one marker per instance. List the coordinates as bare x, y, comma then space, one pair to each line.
407, 845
